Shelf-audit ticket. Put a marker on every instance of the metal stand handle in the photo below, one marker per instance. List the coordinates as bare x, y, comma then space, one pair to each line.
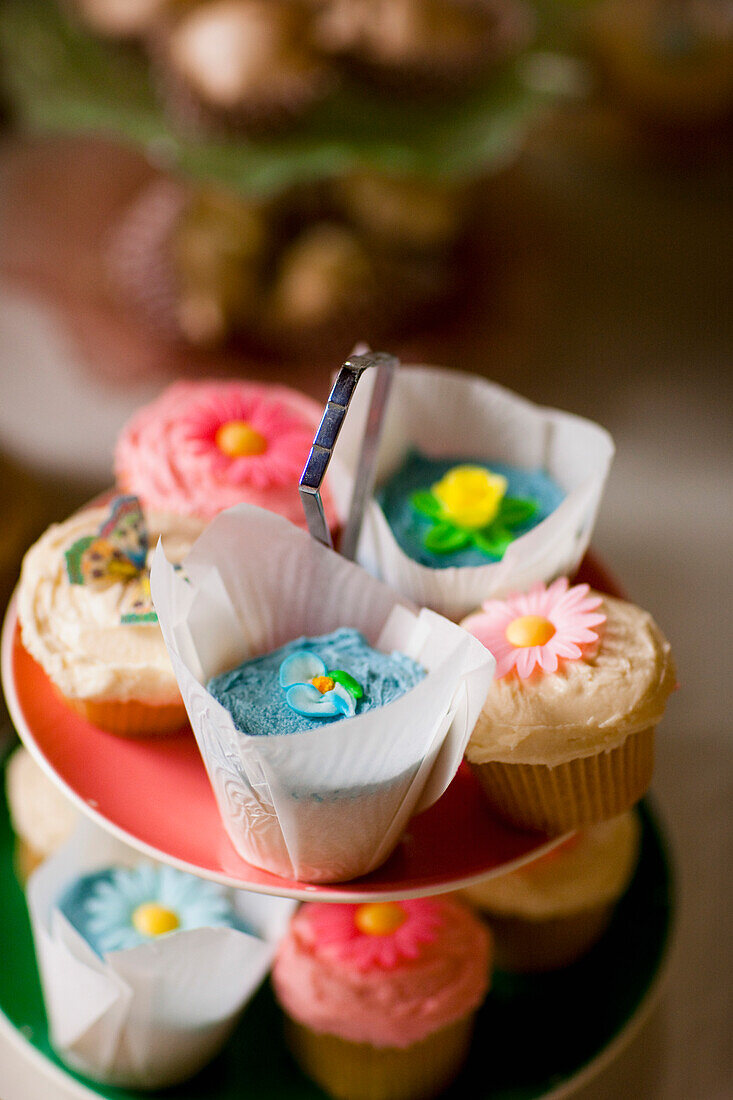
328, 431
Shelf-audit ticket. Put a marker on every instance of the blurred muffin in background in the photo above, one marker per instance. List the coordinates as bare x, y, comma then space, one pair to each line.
404, 213
666, 65
118, 18
422, 45
238, 64
292, 243
364, 253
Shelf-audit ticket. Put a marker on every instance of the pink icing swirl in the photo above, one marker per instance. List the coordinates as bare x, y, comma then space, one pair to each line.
332, 989
168, 455
338, 936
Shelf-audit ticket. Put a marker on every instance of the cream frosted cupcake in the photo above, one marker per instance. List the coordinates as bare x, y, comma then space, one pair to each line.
86, 617
41, 817
549, 912
201, 447
380, 998
566, 735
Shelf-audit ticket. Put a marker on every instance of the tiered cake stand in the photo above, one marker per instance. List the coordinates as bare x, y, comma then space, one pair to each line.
537, 1035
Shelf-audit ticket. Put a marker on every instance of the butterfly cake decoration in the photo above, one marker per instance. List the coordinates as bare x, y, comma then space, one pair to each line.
117, 554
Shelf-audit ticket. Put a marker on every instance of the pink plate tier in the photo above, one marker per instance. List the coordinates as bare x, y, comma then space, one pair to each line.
155, 794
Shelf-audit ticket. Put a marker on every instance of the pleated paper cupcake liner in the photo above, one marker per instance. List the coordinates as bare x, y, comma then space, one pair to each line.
568, 796
330, 803
148, 1016
359, 1071
446, 413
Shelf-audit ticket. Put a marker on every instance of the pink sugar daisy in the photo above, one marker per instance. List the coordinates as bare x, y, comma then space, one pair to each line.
286, 439
374, 936
539, 628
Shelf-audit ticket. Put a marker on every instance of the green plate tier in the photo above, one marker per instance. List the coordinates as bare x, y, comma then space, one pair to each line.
534, 1034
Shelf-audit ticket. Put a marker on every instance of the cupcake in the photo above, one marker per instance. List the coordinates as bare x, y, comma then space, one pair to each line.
239, 65
144, 969
41, 817
116, 908
551, 911
404, 213
380, 998
326, 712
423, 45
201, 447
668, 66
303, 683
450, 511
190, 261
566, 734
448, 527
127, 19
303, 271
86, 616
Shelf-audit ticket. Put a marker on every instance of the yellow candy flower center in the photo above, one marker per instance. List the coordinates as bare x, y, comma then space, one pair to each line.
323, 683
529, 630
470, 495
237, 438
379, 918
152, 919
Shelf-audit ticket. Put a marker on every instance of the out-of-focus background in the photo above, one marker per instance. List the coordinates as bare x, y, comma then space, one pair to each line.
542, 196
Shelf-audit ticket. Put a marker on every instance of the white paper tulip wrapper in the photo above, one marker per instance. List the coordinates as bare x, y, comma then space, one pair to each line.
450, 414
330, 803
149, 1016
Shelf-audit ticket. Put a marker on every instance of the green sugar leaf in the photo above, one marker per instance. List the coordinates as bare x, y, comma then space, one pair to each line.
515, 510
446, 539
346, 680
493, 540
425, 503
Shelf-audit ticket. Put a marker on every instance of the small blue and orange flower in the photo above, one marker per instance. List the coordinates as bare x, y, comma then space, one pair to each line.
314, 691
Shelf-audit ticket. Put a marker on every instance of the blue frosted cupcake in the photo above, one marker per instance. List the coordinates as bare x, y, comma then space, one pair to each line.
145, 969
292, 695
312, 680
478, 491
117, 908
327, 713
458, 511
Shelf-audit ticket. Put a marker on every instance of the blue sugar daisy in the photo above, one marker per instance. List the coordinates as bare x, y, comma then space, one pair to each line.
123, 907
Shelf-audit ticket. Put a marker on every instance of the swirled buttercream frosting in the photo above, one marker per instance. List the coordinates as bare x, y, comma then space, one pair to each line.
201, 447
75, 631
387, 974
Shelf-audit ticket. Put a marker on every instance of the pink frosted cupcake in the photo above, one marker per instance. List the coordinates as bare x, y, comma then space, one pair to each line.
380, 998
201, 447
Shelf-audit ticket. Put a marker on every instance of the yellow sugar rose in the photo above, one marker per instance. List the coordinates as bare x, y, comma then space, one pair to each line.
470, 496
